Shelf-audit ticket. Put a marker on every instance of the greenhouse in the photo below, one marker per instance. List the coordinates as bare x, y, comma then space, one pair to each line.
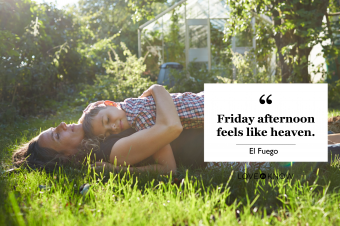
192, 32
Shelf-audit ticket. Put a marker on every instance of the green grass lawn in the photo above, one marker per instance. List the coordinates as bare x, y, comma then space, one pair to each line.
333, 112
203, 197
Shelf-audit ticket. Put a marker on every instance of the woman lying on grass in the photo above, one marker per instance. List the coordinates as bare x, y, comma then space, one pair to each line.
107, 117
60, 145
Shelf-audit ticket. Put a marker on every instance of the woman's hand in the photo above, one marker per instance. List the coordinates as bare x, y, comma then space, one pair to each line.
149, 92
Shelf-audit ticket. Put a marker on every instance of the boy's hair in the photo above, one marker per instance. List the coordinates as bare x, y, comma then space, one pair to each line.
87, 119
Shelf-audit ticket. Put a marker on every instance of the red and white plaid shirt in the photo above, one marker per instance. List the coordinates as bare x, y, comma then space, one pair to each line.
141, 113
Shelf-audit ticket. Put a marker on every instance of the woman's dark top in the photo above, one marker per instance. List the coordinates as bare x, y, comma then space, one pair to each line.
188, 148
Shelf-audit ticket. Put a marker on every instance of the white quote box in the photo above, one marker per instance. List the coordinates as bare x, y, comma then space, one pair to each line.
301, 112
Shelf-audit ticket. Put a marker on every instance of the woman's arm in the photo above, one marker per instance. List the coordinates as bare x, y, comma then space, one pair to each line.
140, 145
165, 163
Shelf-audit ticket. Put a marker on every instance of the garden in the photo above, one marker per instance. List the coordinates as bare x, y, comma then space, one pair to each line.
55, 62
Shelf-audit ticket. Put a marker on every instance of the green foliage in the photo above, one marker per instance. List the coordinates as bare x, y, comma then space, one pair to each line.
192, 79
334, 94
103, 19
146, 9
248, 70
39, 58
48, 54
332, 50
164, 43
297, 28
123, 79
173, 38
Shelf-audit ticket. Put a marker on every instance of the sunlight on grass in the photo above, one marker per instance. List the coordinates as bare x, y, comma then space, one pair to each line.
333, 112
203, 197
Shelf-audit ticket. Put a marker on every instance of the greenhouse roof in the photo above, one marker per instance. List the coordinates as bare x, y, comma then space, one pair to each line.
198, 9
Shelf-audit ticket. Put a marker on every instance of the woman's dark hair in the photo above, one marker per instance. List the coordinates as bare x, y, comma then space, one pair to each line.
32, 155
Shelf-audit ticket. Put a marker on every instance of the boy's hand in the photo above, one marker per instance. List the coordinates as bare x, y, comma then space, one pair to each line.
149, 92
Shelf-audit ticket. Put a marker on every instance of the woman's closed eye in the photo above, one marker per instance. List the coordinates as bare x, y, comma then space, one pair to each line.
57, 136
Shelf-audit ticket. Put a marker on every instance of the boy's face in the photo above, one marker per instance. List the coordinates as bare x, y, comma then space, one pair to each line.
108, 121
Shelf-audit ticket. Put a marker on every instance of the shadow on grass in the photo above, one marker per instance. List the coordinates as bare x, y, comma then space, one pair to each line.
256, 197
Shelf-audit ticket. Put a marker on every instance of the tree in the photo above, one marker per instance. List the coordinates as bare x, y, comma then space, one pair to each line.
333, 27
106, 18
297, 27
39, 58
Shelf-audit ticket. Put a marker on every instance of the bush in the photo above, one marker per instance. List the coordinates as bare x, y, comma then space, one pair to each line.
8, 113
248, 70
192, 79
334, 94
40, 61
122, 79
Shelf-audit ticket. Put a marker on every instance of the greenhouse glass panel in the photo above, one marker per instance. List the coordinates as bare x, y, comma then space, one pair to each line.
152, 47
192, 33
220, 63
198, 40
174, 35
198, 36
197, 9
218, 9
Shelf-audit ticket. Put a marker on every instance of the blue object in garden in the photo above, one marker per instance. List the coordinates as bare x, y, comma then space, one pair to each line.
164, 77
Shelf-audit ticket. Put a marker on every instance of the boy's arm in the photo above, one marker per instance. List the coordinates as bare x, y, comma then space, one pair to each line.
165, 157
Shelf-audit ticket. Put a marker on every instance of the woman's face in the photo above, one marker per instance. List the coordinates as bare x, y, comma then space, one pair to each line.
64, 139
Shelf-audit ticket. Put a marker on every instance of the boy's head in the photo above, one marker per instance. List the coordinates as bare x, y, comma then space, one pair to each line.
104, 120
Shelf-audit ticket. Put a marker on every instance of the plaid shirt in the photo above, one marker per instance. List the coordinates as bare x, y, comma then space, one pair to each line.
141, 113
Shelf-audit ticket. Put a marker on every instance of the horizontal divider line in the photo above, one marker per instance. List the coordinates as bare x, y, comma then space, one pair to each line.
265, 144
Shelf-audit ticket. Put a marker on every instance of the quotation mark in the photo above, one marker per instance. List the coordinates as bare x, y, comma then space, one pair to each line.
264, 101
